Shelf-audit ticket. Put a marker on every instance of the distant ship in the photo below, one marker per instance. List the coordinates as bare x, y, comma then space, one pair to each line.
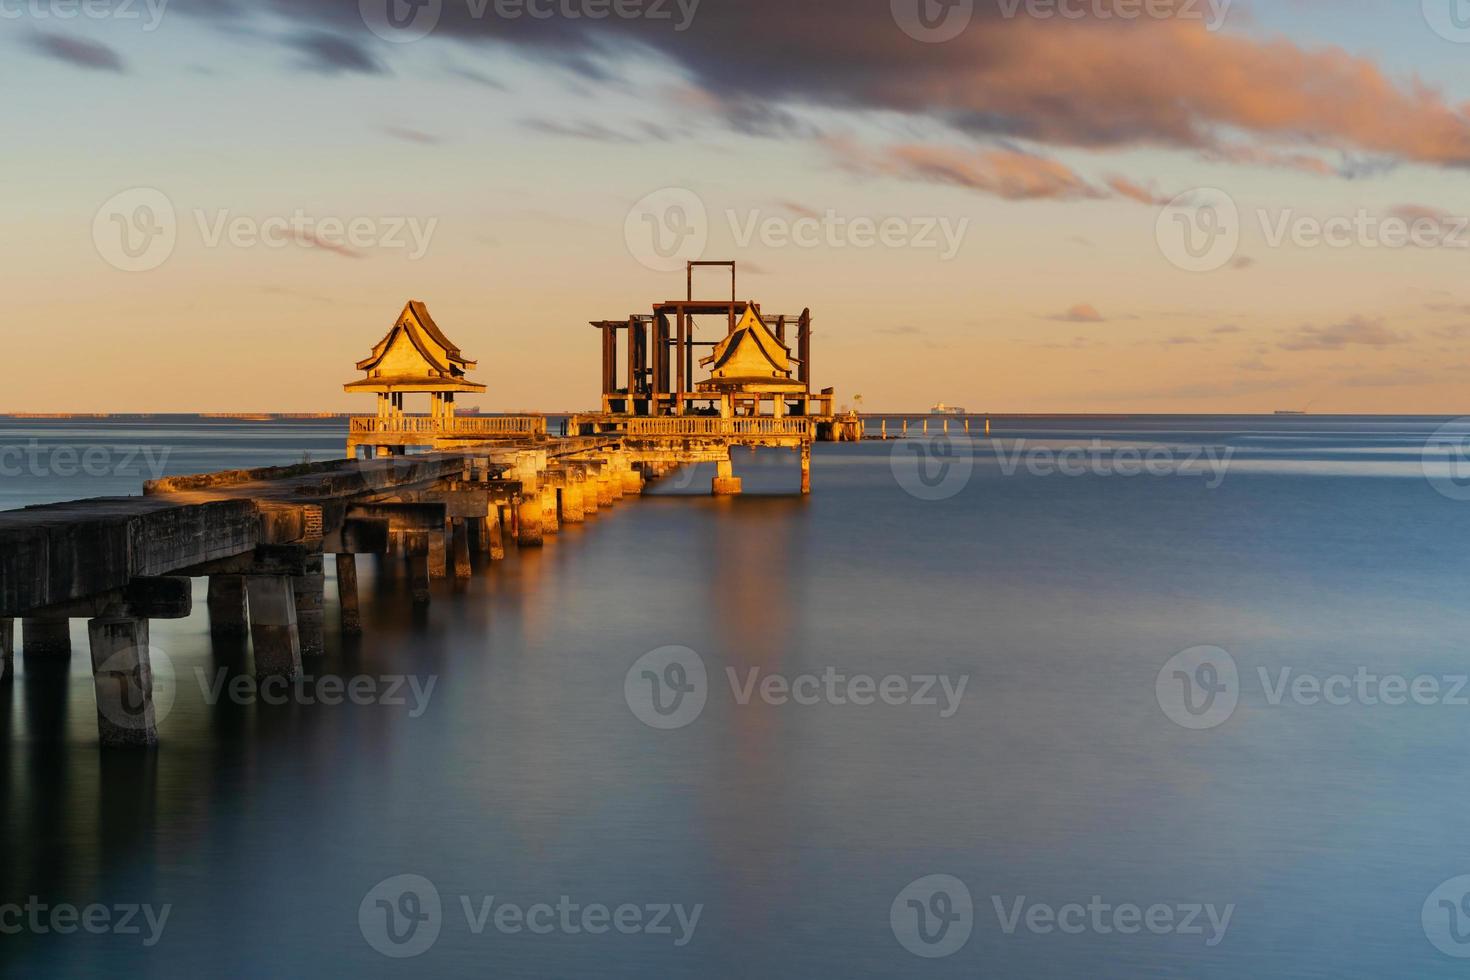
1287, 411
943, 409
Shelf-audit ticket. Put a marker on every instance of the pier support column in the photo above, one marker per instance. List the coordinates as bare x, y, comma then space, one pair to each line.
309, 595
528, 522
7, 650
591, 495
461, 551
571, 499
273, 626
496, 533
227, 606
479, 534
725, 483
550, 507
632, 481
604, 487
123, 678
806, 469
417, 545
46, 637
439, 552
347, 595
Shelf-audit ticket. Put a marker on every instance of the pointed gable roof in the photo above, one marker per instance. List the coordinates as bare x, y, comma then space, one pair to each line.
415, 355
750, 354
440, 354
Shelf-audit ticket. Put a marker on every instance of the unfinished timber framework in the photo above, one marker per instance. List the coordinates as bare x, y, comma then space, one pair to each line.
427, 490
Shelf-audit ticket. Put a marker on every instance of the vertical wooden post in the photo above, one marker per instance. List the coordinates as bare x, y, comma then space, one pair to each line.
347, 595
806, 468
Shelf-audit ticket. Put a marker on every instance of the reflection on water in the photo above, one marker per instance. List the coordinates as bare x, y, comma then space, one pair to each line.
524, 775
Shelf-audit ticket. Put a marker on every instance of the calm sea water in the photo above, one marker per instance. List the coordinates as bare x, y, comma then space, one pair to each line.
797, 829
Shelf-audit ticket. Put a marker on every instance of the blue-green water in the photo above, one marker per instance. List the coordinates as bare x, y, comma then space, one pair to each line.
1320, 547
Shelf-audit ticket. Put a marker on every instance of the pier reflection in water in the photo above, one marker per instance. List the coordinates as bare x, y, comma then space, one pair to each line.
527, 777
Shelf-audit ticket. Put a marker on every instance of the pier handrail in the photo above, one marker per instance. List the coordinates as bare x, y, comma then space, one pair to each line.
719, 427
517, 425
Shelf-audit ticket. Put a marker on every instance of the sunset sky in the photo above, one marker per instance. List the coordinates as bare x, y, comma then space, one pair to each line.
517, 148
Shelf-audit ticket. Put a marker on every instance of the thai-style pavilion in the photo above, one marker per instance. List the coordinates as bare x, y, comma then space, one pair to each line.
750, 367
416, 358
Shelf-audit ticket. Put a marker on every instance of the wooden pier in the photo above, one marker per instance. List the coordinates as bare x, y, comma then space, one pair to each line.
429, 489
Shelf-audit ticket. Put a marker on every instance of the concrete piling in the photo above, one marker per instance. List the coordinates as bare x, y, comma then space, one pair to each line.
496, 534
309, 595
550, 510
228, 616
806, 469
528, 522
461, 551
417, 544
347, 595
122, 675
46, 637
725, 483
273, 626
7, 649
572, 511
438, 556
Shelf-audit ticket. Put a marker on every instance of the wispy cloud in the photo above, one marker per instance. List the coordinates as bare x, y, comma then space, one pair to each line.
1081, 313
78, 52
1355, 331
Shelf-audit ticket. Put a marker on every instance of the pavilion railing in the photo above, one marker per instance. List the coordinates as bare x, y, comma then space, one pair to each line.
519, 425
720, 427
